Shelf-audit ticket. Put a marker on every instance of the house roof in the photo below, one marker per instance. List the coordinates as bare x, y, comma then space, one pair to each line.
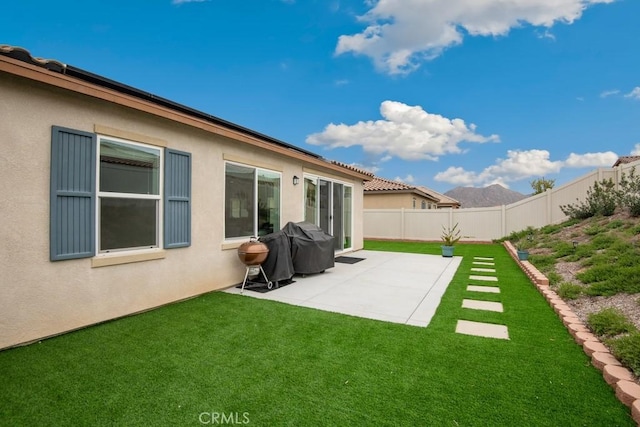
67, 74
382, 185
444, 200
351, 167
626, 159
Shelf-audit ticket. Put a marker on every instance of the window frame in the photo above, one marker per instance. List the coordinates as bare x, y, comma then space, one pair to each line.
136, 196
256, 170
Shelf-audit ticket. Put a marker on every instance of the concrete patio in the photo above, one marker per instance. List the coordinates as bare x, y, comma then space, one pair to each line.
389, 286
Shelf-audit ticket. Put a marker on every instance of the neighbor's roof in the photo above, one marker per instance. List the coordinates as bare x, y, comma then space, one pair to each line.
626, 159
19, 61
444, 200
380, 185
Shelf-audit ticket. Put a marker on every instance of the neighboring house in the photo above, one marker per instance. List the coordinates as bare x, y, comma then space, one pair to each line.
115, 201
443, 200
625, 159
380, 193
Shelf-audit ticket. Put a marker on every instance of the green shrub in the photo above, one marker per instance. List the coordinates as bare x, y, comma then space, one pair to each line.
593, 229
629, 194
569, 290
554, 278
610, 322
601, 200
616, 223
627, 350
543, 262
614, 281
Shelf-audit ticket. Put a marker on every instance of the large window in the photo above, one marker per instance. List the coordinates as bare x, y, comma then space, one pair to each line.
111, 195
129, 196
252, 201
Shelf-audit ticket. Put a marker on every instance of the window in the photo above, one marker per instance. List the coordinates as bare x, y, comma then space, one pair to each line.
424, 205
129, 198
252, 201
413, 204
122, 195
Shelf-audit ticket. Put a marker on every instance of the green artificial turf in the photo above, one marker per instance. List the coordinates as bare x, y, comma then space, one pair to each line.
263, 363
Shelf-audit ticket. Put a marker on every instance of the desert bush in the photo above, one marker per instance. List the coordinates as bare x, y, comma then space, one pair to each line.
629, 194
609, 322
601, 200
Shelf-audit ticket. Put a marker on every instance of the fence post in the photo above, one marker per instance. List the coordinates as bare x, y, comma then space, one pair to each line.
503, 219
402, 223
549, 206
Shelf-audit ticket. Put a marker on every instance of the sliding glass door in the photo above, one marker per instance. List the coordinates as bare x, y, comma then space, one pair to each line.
328, 204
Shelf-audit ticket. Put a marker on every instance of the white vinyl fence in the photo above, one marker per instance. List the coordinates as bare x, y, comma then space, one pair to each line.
486, 224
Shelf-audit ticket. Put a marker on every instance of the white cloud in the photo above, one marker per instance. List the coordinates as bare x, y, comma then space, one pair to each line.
409, 179
591, 160
635, 93
407, 132
402, 33
608, 93
457, 176
341, 82
636, 150
520, 165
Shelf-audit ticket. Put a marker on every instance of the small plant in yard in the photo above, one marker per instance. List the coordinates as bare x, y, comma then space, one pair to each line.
450, 235
627, 350
568, 290
610, 322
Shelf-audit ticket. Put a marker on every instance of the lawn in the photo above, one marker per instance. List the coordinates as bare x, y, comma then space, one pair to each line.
223, 358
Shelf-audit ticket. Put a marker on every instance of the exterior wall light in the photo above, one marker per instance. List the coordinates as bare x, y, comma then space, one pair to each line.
296, 180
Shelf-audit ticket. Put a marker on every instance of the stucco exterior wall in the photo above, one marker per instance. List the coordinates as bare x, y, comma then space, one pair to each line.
395, 201
39, 298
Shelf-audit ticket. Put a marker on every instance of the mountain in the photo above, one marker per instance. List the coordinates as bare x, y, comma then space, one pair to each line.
493, 195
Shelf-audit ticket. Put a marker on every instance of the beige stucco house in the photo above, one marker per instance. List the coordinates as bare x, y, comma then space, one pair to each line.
381, 193
115, 201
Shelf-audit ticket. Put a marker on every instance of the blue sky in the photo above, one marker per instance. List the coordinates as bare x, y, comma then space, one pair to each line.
438, 93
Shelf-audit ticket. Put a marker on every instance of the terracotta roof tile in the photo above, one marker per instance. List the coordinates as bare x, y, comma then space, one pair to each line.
626, 159
352, 168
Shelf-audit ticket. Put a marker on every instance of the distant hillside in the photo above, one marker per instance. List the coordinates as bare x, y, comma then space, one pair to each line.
493, 195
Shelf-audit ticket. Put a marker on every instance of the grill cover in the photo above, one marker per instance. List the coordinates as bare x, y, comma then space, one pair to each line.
278, 266
311, 248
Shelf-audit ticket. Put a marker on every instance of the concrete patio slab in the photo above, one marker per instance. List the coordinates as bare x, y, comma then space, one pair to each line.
482, 305
487, 330
484, 278
389, 286
483, 270
485, 289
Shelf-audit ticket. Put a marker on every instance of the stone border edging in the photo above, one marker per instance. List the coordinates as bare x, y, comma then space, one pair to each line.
617, 376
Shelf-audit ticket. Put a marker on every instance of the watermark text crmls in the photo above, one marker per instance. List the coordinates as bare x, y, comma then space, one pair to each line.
224, 418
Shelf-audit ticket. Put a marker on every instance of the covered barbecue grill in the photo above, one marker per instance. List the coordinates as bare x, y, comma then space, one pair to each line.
311, 247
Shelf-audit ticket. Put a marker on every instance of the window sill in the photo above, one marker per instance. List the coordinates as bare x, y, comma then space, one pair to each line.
228, 245
106, 260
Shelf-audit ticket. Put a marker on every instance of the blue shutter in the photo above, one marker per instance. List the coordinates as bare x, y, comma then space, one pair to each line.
177, 199
73, 192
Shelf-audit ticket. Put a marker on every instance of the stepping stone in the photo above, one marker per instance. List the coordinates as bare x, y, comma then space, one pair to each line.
484, 270
486, 289
484, 278
481, 258
482, 305
479, 329
483, 263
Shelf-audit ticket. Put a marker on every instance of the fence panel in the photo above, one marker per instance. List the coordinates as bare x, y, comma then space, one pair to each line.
487, 223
